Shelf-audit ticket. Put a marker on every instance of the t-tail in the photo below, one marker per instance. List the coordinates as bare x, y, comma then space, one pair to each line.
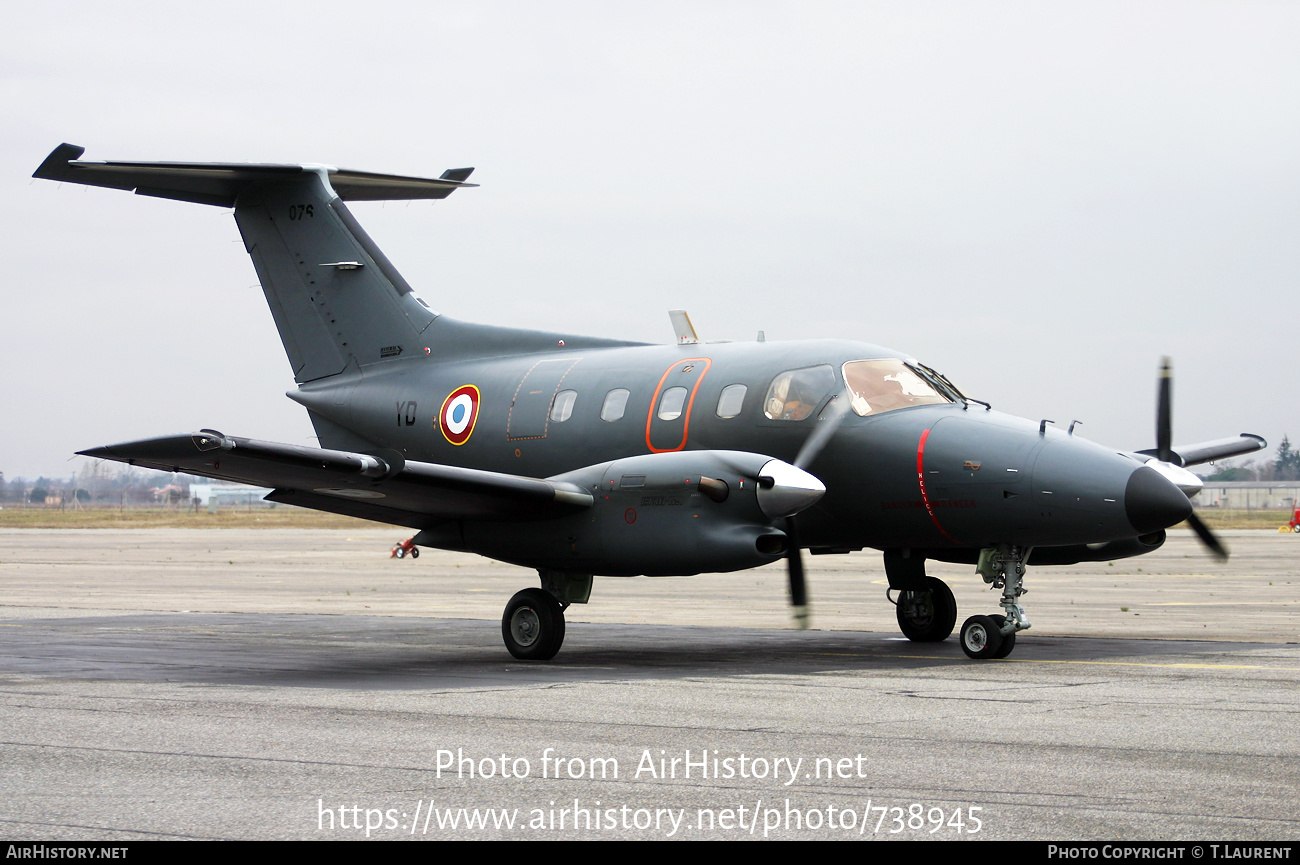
337, 299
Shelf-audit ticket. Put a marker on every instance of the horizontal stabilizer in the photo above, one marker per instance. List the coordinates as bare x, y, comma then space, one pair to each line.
1219, 449
385, 488
220, 183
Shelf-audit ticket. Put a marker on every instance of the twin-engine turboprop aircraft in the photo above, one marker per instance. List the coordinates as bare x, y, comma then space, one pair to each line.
580, 456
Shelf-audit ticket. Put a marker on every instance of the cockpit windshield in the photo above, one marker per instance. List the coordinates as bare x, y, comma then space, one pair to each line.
877, 386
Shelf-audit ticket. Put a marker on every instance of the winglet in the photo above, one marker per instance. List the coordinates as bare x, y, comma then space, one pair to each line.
55, 166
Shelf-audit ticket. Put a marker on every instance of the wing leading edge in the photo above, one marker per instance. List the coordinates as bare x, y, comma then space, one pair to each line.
385, 488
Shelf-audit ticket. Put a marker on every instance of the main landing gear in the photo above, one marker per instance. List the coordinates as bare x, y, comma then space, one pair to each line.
533, 623
925, 608
927, 616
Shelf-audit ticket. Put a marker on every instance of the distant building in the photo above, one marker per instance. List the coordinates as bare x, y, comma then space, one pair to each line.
1248, 495
226, 495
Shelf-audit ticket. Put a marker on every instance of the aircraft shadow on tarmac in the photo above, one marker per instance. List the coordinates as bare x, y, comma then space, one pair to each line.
375, 652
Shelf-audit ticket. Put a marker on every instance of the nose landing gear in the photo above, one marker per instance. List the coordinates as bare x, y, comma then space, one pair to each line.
985, 637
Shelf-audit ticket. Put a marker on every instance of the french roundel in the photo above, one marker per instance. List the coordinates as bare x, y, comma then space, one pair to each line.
458, 414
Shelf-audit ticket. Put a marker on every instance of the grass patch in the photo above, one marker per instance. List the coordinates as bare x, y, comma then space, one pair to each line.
281, 517
289, 517
1228, 518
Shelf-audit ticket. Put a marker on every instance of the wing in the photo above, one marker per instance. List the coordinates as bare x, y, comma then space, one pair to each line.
384, 488
1219, 449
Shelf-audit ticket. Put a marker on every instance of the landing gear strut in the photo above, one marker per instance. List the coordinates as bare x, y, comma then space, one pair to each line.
984, 637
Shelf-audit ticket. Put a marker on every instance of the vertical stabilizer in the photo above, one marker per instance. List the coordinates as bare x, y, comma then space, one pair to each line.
334, 295
336, 298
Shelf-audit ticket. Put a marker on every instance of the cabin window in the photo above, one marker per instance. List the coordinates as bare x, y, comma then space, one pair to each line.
615, 404
795, 394
670, 404
877, 386
732, 400
562, 405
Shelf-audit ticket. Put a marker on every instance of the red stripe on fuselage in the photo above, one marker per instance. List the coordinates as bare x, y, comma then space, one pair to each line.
920, 480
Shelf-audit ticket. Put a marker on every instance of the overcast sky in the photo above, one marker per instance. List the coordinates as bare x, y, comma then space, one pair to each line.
1038, 199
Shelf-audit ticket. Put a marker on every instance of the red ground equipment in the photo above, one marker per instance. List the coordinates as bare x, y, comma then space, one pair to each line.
405, 548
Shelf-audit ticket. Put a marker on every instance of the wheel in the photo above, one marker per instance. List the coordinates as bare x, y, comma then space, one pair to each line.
980, 637
1008, 640
399, 552
928, 616
415, 552
533, 625
1296, 528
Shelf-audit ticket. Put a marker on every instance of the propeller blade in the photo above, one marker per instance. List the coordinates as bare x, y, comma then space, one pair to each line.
794, 571
1171, 465
1208, 538
1164, 412
827, 423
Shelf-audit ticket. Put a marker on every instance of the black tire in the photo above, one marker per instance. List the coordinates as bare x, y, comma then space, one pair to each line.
1296, 528
415, 552
929, 616
533, 625
1008, 640
399, 552
980, 638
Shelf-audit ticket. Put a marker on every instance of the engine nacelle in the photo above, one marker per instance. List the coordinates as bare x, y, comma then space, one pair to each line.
666, 514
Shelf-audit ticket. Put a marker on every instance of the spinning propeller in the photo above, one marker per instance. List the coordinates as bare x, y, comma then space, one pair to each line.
828, 422
1170, 464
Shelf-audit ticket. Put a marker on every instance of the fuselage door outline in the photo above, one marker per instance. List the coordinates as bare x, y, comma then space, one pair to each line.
666, 435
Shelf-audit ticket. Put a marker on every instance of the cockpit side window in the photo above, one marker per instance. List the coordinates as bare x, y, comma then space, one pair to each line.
796, 394
877, 386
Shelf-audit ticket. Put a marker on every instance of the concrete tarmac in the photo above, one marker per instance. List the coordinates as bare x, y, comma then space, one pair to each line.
299, 684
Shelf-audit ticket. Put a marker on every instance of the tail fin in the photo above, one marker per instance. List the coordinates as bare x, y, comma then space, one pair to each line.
335, 297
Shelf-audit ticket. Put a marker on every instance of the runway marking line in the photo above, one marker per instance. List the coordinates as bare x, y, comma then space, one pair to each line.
1096, 663
1222, 604
1117, 663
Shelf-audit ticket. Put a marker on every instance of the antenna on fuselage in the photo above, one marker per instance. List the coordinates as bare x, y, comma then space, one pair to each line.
682, 326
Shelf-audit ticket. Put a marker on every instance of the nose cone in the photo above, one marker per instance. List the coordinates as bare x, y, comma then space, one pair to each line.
784, 490
1151, 502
